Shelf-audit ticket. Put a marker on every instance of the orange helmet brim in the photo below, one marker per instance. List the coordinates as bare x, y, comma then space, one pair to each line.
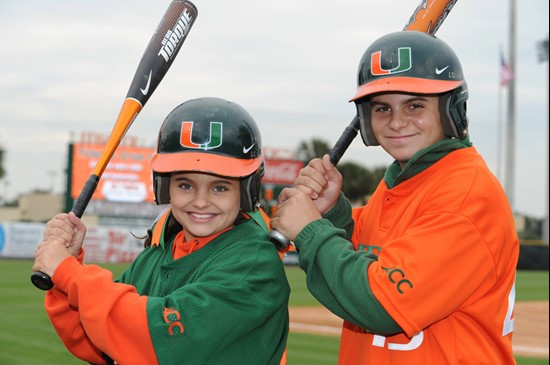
405, 85
204, 162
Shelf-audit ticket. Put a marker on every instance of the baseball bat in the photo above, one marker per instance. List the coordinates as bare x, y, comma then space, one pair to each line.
427, 17
155, 62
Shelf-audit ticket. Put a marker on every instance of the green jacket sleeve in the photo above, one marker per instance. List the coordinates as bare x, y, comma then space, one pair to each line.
340, 215
336, 275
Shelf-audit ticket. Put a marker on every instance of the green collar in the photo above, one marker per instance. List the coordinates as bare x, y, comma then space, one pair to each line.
422, 160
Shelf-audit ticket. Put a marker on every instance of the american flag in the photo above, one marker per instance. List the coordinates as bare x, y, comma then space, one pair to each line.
506, 74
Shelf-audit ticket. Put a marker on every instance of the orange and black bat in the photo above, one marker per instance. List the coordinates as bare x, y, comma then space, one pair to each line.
155, 62
427, 17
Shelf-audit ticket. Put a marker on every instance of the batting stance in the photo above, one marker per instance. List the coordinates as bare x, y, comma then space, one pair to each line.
209, 288
423, 273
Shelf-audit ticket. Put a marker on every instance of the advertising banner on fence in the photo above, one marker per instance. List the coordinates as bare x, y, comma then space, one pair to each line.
127, 177
281, 172
101, 245
19, 240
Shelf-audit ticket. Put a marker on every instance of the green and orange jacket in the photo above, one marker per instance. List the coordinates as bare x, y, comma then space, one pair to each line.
425, 272
225, 303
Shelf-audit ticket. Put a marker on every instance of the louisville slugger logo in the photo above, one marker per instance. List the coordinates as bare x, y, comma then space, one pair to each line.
404, 64
173, 37
214, 141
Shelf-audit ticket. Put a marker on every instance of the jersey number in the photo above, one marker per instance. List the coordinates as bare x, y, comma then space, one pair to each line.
508, 320
416, 340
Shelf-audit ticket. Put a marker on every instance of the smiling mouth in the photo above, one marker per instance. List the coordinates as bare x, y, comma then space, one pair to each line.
202, 216
400, 138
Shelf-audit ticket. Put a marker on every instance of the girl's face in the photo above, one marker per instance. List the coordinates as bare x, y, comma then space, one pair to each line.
404, 124
204, 204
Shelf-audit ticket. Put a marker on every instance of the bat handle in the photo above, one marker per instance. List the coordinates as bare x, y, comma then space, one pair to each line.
278, 239
83, 199
41, 280
344, 141
44, 281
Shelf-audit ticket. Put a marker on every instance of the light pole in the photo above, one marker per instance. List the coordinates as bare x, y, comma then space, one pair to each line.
52, 174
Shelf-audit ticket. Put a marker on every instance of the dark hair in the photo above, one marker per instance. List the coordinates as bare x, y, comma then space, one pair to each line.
173, 227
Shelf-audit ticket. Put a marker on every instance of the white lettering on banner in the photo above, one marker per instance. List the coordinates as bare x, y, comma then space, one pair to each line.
124, 191
21, 239
112, 245
281, 171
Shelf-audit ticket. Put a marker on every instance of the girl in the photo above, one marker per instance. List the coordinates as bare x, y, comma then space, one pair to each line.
209, 288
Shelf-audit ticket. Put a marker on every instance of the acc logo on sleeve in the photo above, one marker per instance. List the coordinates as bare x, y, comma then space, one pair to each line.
397, 276
172, 317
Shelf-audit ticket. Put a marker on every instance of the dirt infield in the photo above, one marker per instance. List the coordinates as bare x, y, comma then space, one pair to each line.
530, 326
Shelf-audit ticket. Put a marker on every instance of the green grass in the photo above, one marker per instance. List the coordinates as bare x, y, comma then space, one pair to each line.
531, 286
305, 349
27, 337
323, 350
299, 295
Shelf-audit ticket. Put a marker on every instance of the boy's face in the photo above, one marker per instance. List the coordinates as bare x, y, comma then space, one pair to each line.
403, 124
204, 204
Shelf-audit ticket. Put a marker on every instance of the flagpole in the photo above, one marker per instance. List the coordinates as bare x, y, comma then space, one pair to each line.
499, 123
543, 57
511, 110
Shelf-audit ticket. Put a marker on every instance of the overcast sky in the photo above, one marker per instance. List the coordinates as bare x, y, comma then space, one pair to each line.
66, 67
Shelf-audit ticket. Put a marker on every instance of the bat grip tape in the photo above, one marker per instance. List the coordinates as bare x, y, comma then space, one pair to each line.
344, 141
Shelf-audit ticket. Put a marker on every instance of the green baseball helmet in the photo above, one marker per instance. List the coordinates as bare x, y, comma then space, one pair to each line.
417, 63
210, 135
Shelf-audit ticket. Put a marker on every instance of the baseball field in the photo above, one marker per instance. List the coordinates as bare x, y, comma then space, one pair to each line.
27, 338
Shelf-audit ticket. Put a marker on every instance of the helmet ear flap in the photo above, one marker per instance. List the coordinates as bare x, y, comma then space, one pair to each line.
161, 188
250, 190
452, 110
364, 112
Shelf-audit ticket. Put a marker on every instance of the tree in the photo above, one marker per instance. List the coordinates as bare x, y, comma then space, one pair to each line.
359, 182
314, 148
2, 171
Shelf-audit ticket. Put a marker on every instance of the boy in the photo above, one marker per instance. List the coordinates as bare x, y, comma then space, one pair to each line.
425, 272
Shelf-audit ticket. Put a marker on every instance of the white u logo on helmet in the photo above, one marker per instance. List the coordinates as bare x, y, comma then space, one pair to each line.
214, 141
405, 62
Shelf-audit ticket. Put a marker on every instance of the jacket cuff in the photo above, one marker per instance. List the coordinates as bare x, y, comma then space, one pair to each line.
340, 214
64, 273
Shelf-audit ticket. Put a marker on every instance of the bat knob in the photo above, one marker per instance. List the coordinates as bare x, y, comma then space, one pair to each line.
41, 280
280, 241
